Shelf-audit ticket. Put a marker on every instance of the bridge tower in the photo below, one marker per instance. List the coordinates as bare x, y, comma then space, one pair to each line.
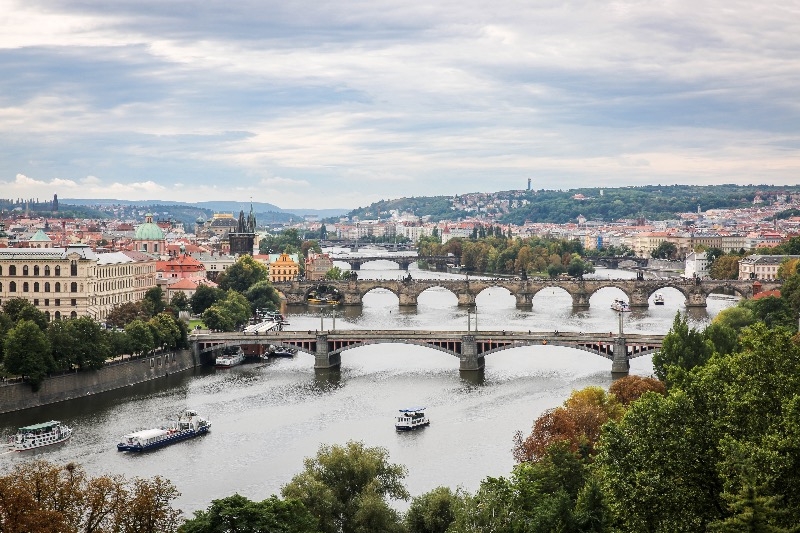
470, 361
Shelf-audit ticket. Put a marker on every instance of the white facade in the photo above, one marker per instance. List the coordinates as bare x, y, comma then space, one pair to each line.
697, 265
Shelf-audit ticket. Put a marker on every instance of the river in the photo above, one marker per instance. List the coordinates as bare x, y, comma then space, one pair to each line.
268, 416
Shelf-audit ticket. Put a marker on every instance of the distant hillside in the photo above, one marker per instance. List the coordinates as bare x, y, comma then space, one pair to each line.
654, 202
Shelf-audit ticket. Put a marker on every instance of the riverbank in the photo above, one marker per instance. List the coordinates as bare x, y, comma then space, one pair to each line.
118, 374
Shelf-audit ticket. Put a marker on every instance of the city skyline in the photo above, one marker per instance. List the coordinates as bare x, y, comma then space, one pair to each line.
332, 105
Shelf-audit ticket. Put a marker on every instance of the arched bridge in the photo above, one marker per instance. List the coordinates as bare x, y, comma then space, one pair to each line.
470, 347
615, 261
638, 292
403, 261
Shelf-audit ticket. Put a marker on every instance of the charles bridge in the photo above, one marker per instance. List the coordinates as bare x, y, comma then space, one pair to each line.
440, 262
638, 291
470, 347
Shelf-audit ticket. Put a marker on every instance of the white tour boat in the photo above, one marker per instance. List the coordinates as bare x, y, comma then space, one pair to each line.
658, 299
411, 418
230, 357
189, 425
39, 435
621, 306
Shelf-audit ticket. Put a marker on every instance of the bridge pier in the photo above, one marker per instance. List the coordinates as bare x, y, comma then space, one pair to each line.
580, 300
620, 365
470, 361
639, 300
323, 359
407, 298
524, 301
696, 299
466, 299
355, 265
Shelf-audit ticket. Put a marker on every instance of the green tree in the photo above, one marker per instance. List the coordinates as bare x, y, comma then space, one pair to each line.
140, 337
154, 300
432, 512
27, 352
335, 273
180, 301
165, 330
345, 488
215, 319
21, 309
263, 295
93, 346
665, 250
204, 297
682, 349
242, 275
64, 343
237, 514
127, 312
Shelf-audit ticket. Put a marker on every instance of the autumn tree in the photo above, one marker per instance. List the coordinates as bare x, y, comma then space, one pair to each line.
725, 267
630, 388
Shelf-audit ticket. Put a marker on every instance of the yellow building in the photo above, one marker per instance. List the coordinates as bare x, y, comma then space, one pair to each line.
284, 268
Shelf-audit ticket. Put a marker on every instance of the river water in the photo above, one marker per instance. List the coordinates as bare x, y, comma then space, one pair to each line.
268, 416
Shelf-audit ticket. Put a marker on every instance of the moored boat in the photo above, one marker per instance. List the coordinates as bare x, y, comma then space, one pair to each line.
230, 357
621, 306
38, 435
283, 351
411, 418
658, 299
189, 425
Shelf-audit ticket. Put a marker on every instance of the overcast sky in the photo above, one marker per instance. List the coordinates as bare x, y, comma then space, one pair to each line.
336, 104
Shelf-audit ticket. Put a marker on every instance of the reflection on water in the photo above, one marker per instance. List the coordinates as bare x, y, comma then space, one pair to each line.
268, 416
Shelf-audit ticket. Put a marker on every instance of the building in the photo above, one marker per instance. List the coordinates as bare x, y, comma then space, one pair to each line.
317, 265
74, 281
696, 265
242, 240
284, 268
149, 237
762, 266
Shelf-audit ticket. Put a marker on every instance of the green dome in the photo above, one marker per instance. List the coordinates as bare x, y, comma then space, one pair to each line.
149, 231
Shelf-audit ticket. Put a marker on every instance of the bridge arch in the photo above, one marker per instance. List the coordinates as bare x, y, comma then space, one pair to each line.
391, 287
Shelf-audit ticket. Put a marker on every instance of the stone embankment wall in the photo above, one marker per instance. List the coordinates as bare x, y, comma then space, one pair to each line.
18, 396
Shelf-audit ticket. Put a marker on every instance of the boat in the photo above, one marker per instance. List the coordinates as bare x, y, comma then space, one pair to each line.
658, 299
621, 306
231, 356
282, 351
38, 435
188, 426
411, 418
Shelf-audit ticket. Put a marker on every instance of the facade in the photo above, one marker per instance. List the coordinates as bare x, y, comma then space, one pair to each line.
762, 266
74, 281
284, 268
696, 265
149, 237
215, 264
317, 265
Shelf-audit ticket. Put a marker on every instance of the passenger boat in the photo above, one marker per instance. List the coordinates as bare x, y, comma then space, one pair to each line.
283, 351
189, 425
411, 418
39, 435
621, 306
230, 357
658, 299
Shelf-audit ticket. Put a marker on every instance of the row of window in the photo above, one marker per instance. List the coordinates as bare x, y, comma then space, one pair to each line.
37, 271
12, 287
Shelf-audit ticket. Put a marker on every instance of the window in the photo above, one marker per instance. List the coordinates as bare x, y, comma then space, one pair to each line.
58, 315
47, 270
57, 303
73, 268
58, 287
25, 287
73, 315
12, 287
47, 301
46, 286
36, 270
12, 270
73, 287
58, 271
36, 286
24, 270
47, 314
36, 302
74, 302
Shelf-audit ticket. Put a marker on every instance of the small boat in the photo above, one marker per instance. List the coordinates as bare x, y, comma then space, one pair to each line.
658, 299
621, 306
189, 425
39, 435
283, 351
231, 356
411, 418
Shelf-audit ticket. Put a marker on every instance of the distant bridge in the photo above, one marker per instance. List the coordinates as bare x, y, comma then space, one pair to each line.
638, 292
470, 347
615, 261
403, 261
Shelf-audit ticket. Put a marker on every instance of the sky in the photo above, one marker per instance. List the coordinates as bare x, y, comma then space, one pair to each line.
322, 104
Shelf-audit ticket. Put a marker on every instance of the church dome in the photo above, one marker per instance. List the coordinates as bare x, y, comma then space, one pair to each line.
149, 231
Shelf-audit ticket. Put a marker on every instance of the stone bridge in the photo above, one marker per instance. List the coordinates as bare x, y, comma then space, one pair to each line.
403, 261
469, 347
615, 261
638, 292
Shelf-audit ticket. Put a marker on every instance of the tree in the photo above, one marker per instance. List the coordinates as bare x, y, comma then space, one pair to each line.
432, 512
237, 514
335, 273
93, 346
665, 250
243, 274
345, 488
140, 337
577, 267
263, 295
180, 301
127, 312
27, 352
630, 388
44, 497
310, 245
682, 349
154, 300
725, 267
165, 331
204, 297
21, 309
